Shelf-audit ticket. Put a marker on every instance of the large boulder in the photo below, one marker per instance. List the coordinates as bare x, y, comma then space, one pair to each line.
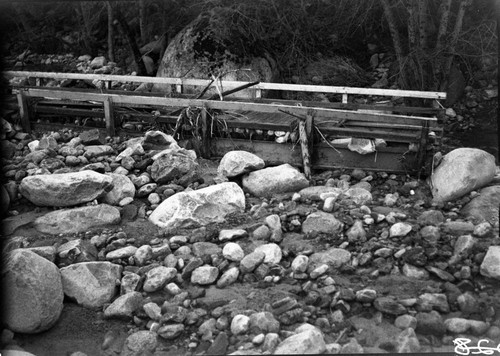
235, 163
77, 219
32, 292
199, 207
122, 188
274, 180
65, 189
91, 284
484, 207
201, 46
460, 172
177, 167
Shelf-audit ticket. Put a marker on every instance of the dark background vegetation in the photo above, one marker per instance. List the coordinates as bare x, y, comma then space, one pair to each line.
292, 32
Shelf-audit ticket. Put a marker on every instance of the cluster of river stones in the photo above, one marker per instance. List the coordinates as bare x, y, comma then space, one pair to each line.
252, 225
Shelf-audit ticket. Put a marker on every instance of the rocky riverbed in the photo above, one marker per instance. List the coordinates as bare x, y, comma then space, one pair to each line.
117, 246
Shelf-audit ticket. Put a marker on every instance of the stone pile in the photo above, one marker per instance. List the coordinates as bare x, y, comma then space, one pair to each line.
261, 272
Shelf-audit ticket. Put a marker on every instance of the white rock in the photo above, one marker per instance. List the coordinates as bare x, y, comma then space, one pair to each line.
228, 277
310, 341
271, 251
225, 235
124, 252
399, 229
143, 254
490, 267
274, 224
321, 222
235, 163
359, 196
122, 188
240, 324
199, 207
33, 145
32, 292
460, 172
204, 275
158, 277
124, 306
233, 252
274, 180
91, 284
300, 264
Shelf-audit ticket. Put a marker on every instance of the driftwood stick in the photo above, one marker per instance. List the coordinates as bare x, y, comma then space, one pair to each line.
304, 145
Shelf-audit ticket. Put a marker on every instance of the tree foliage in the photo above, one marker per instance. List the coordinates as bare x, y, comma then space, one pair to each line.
424, 35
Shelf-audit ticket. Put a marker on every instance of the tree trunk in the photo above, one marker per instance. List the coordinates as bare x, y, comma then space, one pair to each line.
454, 38
111, 47
86, 29
412, 24
395, 38
141, 68
164, 30
422, 17
142, 21
24, 20
443, 24
438, 69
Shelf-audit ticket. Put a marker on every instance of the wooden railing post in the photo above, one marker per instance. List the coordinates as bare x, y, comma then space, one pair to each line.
305, 134
205, 133
178, 87
108, 115
22, 101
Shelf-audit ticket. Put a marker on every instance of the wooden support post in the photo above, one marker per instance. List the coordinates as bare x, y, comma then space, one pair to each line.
24, 111
38, 82
310, 133
422, 150
178, 87
205, 134
107, 84
304, 145
108, 115
258, 93
344, 98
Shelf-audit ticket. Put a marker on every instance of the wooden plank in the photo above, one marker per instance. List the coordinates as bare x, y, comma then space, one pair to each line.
263, 86
24, 111
386, 159
108, 114
226, 105
372, 134
67, 111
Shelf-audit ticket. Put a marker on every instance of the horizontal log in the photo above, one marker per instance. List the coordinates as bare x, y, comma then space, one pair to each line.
318, 113
230, 84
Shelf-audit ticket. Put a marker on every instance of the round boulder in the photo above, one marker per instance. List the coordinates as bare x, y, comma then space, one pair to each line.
32, 293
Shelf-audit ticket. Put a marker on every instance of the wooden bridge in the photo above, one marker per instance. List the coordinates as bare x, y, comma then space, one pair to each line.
322, 129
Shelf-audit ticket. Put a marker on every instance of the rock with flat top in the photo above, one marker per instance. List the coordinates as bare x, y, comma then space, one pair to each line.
199, 207
77, 219
91, 284
274, 180
66, 189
